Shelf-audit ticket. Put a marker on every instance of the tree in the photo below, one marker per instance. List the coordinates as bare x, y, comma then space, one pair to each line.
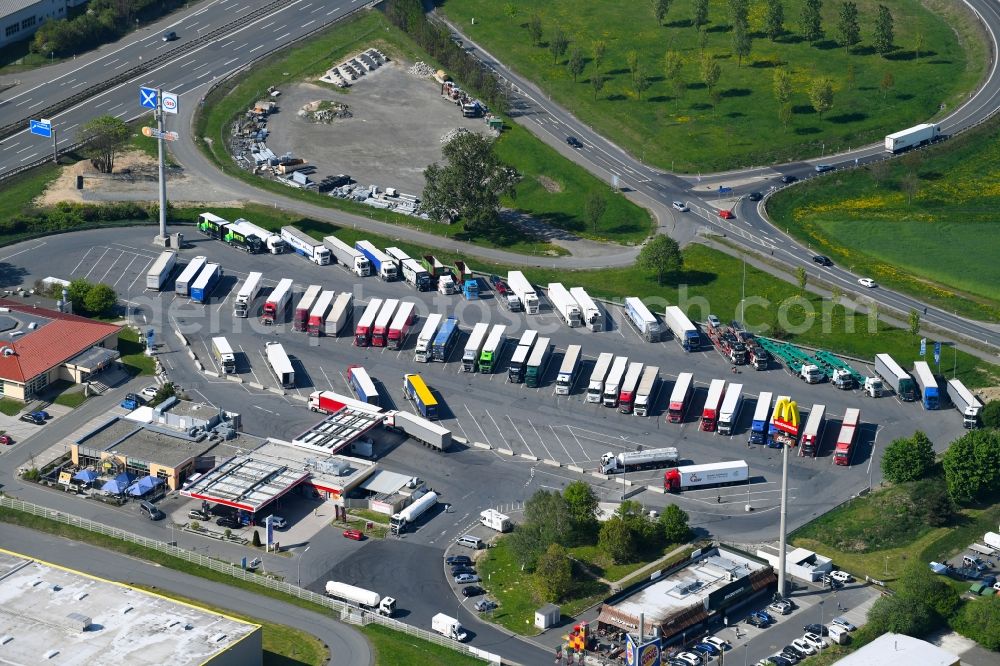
908, 458
255, 542
553, 576
581, 502
632, 58
851, 76
836, 293
642, 82
535, 29
913, 321
597, 83
101, 299
77, 292
980, 621
918, 582
471, 182
847, 26
700, 17
661, 255
990, 414
549, 511
558, 44
600, 46
821, 95
785, 114
616, 540
918, 44
710, 72
660, 9
739, 10
674, 524
672, 64
888, 81
812, 20
774, 21
594, 207
103, 138
801, 277
782, 86
884, 32
909, 184
878, 171
741, 42
575, 63
901, 615
972, 465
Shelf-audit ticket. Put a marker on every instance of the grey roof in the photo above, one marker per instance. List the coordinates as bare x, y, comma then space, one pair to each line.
95, 357
900, 650
8, 7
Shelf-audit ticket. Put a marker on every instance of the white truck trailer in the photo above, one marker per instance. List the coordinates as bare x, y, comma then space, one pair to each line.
224, 355
159, 273
564, 304
189, 275
684, 331
277, 302
448, 627
348, 257
701, 476
422, 353
305, 245
612, 385
399, 521
646, 393
367, 599
568, 370
272, 241
642, 319
470, 355
495, 520
523, 290
964, 402
281, 366
249, 290
917, 135
340, 312
593, 316
426, 432
636, 460
729, 413
595, 386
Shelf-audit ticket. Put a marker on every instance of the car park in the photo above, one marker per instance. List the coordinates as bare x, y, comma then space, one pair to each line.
822, 260
726, 214
484, 605
472, 591
867, 282
814, 639
823, 168
841, 576
169, 36
804, 646
458, 559
681, 206
462, 579
354, 534
573, 141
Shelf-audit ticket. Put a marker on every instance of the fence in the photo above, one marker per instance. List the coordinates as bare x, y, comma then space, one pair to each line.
348, 613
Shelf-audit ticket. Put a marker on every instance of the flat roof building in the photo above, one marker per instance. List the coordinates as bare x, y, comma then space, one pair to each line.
60, 616
800, 563
899, 650
19, 19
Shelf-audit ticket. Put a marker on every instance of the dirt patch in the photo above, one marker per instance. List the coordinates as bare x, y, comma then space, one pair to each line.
549, 184
988, 394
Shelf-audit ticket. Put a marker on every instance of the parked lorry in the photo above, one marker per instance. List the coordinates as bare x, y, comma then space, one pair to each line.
761, 418
843, 379
423, 352
965, 403
305, 245
248, 292
300, 316
629, 388
398, 522
992, 539
495, 520
224, 355
710, 413
362, 385
568, 370
847, 436
329, 402
636, 460
342, 310
417, 427
317, 316
911, 137
448, 627
680, 397
595, 385
759, 357
445, 340
203, 285
811, 374
565, 305
399, 329
929, 391
211, 225
593, 316
382, 264
895, 377
415, 389
646, 393
281, 366
812, 433
277, 302
272, 241
645, 323
613, 383
519, 360
683, 330
468, 280
492, 348
523, 290
727, 343
474, 347
159, 273
380, 329
729, 413
416, 275
363, 330
703, 476
538, 362
350, 258
367, 599
188, 275
398, 257
241, 234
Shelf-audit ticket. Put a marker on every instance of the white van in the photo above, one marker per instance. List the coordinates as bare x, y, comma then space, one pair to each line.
838, 634
470, 541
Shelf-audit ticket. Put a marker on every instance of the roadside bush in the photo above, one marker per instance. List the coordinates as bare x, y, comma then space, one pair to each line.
932, 502
919, 583
979, 620
908, 458
990, 414
902, 615
972, 465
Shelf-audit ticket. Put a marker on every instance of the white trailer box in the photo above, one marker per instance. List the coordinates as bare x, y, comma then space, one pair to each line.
593, 316
470, 356
612, 385
342, 310
280, 364
729, 413
523, 290
568, 370
595, 386
348, 257
160, 271
422, 353
189, 275
646, 393
642, 319
249, 290
426, 432
273, 241
964, 402
917, 135
448, 627
565, 305
305, 245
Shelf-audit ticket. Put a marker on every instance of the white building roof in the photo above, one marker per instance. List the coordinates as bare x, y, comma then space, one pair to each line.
899, 650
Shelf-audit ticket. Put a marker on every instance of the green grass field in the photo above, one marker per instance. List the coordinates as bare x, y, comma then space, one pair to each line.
393, 648
687, 133
623, 222
10, 407
133, 357
942, 246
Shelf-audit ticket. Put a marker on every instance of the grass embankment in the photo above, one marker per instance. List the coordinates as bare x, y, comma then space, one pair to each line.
940, 245
133, 358
395, 649
623, 221
67, 394
689, 132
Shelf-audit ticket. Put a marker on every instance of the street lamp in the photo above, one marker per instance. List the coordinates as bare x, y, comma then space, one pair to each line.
821, 615
298, 572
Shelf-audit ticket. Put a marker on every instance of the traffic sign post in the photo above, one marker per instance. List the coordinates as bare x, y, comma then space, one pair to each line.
160, 102
43, 127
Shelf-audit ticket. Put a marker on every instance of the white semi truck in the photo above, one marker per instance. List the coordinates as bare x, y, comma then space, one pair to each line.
701, 476
351, 259
523, 290
646, 393
398, 522
645, 322
635, 460
281, 366
422, 353
564, 304
246, 295
917, 135
305, 245
595, 387
426, 432
593, 316
964, 402
367, 599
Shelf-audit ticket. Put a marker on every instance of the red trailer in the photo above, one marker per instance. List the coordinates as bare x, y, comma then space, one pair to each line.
401, 323
301, 320
710, 413
848, 434
363, 332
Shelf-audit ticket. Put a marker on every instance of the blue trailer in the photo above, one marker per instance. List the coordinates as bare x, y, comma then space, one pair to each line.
362, 385
761, 417
203, 285
928, 385
383, 265
445, 340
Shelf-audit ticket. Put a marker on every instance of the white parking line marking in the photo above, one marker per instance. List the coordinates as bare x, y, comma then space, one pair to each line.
476, 421
530, 452
94, 265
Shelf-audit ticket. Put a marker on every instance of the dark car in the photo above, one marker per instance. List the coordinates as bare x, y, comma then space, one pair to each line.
788, 179
818, 629
822, 260
464, 560
32, 417
573, 141
459, 570
823, 168
765, 616
790, 656
705, 648
169, 36
755, 621
794, 651
780, 661
755, 196
227, 521
472, 591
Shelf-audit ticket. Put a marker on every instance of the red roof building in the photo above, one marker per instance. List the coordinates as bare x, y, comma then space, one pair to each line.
39, 346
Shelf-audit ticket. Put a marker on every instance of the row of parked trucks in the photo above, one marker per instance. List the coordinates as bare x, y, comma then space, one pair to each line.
923, 386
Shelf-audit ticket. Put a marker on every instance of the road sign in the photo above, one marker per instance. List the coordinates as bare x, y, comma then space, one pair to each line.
41, 127
937, 353
157, 134
923, 347
147, 97
168, 101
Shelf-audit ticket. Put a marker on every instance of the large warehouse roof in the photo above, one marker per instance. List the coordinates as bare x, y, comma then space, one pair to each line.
899, 650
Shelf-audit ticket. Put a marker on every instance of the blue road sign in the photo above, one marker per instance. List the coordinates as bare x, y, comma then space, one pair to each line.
147, 97
923, 347
40, 128
937, 353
